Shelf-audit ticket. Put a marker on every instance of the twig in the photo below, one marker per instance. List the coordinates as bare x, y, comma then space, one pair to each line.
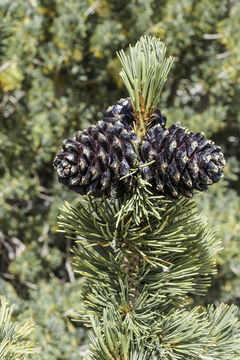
212, 36
67, 263
6, 65
223, 55
44, 238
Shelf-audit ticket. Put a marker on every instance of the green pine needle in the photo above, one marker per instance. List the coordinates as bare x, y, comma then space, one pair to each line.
144, 73
14, 343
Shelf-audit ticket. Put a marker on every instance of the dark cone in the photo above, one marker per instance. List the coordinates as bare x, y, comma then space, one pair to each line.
96, 161
124, 107
100, 159
183, 161
121, 109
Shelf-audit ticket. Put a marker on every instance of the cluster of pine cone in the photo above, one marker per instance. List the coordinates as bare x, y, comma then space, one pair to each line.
102, 159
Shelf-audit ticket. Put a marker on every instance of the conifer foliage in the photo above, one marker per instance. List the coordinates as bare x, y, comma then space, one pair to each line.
143, 253
58, 74
14, 337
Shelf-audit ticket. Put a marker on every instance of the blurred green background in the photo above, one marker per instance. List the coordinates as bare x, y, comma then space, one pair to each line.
58, 74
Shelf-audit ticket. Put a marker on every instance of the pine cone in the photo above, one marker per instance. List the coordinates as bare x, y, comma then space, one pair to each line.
100, 156
124, 107
183, 161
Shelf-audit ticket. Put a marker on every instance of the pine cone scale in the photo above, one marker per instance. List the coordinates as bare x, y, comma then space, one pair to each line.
183, 161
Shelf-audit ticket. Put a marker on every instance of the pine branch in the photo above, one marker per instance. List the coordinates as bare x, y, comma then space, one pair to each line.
142, 255
14, 344
198, 334
144, 73
172, 257
175, 255
109, 343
